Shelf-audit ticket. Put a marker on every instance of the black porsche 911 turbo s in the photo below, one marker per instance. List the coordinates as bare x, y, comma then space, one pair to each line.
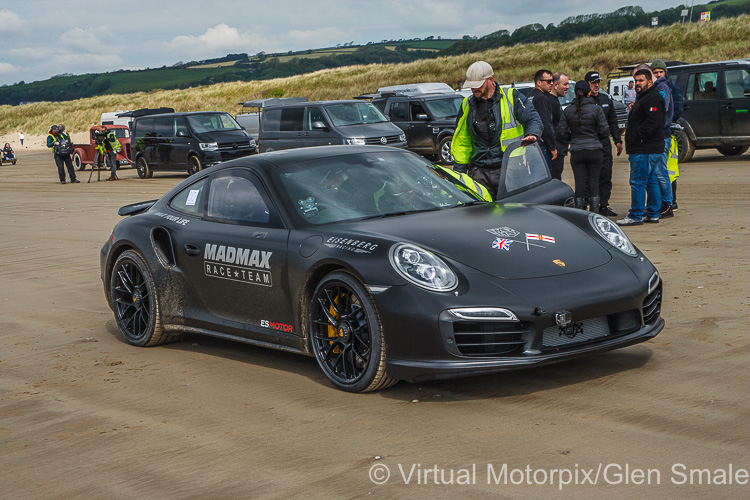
382, 269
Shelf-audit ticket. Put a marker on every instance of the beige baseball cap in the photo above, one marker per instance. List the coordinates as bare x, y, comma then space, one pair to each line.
477, 74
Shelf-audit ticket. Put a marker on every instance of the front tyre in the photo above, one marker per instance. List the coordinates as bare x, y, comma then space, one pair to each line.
346, 335
733, 150
194, 165
444, 151
144, 171
134, 301
686, 148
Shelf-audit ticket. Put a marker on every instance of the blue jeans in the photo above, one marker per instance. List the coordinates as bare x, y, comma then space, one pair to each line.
665, 185
644, 186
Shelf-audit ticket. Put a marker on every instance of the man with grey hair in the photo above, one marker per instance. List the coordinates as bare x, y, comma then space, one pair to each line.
488, 122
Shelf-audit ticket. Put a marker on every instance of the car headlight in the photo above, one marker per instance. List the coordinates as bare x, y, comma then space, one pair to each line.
612, 233
422, 268
402, 138
354, 141
208, 146
252, 143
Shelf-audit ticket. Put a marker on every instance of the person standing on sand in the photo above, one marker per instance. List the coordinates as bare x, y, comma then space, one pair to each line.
20, 138
60, 143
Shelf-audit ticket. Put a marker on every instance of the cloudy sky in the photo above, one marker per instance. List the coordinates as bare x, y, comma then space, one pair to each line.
43, 38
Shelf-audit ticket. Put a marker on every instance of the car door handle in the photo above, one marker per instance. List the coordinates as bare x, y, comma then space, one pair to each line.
192, 250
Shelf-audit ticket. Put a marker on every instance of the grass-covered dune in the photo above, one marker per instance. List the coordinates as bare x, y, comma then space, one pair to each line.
697, 42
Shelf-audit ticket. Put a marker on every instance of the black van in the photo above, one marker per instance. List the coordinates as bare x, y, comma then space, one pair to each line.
716, 106
187, 141
287, 123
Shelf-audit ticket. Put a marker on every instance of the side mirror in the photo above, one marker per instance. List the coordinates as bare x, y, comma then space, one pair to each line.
422, 117
318, 125
182, 133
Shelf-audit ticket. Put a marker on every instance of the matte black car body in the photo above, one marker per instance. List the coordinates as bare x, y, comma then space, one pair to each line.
534, 284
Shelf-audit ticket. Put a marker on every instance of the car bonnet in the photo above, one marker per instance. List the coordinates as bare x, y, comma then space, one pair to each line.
506, 241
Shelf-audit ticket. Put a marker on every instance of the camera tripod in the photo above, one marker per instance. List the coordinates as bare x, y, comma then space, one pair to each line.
100, 159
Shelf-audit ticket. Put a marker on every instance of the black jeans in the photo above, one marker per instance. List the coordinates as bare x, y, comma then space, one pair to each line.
605, 176
586, 166
63, 161
556, 166
489, 177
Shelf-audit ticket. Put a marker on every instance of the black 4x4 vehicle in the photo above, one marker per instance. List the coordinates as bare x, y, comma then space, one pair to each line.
427, 119
716, 106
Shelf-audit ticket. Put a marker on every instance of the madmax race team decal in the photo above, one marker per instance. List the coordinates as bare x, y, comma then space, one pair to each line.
238, 264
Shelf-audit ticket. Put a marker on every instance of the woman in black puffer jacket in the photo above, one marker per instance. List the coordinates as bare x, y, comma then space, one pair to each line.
584, 126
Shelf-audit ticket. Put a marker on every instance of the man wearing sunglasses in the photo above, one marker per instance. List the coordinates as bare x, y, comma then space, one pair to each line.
489, 121
542, 104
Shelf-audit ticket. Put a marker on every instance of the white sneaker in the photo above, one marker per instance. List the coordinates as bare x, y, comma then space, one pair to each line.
627, 221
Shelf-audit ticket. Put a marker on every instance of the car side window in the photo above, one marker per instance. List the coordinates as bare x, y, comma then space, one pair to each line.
314, 114
179, 125
163, 126
271, 120
736, 82
291, 119
524, 168
702, 86
417, 109
145, 127
400, 111
236, 198
190, 199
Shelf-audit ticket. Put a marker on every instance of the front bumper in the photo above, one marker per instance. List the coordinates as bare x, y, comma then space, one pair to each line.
609, 307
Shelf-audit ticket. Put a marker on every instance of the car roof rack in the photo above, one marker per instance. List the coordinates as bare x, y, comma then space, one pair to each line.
145, 111
273, 101
627, 70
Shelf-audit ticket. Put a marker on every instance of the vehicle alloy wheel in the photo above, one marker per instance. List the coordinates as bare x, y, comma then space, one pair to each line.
194, 165
444, 151
134, 301
144, 171
77, 162
345, 335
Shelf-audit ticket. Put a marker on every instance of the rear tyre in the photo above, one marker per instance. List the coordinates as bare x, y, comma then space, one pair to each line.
444, 151
194, 165
144, 171
77, 162
685, 146
134, 301
346, 336
733, 151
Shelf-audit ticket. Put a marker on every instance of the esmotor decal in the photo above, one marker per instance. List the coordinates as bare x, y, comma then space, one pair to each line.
273, 325
238, 264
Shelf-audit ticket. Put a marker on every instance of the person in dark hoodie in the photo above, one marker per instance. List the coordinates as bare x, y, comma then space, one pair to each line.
663, 86
644, 143
584, 126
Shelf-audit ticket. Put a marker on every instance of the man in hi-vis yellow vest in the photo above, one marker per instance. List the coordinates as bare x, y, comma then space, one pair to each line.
487, 123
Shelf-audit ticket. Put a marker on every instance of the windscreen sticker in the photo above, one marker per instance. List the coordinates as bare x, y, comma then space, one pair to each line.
238, 264
192, 197
350, 245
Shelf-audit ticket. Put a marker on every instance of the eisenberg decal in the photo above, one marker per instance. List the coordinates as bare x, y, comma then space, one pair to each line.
238, 264
350, 245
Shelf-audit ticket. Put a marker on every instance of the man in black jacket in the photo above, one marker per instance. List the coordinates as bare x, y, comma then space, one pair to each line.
560, 85
543, 106
608, 106
644, 143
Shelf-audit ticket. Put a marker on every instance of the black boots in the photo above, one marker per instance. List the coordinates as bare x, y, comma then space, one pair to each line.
581, 203
594, 204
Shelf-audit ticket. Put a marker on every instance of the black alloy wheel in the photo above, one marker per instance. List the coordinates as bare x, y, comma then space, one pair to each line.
194, 165
134, 301
345, 335
733, 150
144, 171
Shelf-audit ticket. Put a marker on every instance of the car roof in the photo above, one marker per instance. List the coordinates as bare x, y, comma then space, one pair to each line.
180, 113
273, 159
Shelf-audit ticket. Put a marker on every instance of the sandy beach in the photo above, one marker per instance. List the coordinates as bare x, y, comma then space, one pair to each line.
85, 415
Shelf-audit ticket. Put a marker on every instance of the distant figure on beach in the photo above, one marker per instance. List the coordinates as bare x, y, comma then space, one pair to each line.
20, 138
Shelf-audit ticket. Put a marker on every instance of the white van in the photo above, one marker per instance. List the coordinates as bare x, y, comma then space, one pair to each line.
113, 119
616, 86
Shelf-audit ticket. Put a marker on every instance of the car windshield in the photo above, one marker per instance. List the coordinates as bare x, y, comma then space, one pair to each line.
354, 113
121, 133
444, 108
212, 122
365, 185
